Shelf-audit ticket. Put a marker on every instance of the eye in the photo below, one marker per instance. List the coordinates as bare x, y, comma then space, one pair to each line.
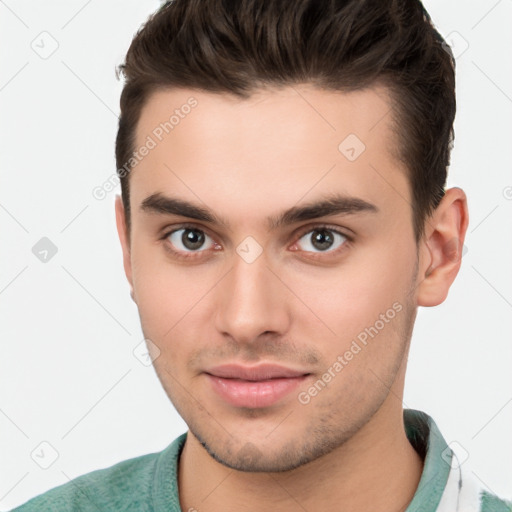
189, 239
322, 239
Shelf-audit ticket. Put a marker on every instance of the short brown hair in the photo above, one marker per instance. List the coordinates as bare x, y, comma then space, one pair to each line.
241, 46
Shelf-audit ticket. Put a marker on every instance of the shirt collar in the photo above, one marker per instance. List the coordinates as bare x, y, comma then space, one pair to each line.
420, 428
425, 437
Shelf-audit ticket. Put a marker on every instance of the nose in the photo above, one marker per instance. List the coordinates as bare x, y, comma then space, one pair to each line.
252, 301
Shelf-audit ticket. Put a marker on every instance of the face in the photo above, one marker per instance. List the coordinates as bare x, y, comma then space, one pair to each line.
273, 263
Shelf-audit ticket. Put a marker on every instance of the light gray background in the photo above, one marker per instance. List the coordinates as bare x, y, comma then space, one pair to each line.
68, 373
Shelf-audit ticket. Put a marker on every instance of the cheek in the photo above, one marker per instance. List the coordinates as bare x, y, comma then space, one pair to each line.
170, 298
337, 302
159, 291
351, 297
362, 306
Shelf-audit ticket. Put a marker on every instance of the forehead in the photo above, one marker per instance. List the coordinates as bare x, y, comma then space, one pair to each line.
276, 147
294, 112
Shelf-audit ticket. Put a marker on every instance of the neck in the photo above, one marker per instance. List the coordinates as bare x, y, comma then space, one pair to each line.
377, 469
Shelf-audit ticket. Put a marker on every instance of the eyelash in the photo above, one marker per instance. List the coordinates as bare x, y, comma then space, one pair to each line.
195, 254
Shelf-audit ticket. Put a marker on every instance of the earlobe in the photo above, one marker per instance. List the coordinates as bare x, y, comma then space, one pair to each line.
124, 238
442, 248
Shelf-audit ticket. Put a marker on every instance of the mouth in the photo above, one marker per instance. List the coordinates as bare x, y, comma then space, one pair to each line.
256, 386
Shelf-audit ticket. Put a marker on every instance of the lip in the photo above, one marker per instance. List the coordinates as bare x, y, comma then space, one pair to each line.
254, 373
254, 386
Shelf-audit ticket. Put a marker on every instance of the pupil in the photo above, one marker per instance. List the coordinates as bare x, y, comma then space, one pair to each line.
323, 239
192, 239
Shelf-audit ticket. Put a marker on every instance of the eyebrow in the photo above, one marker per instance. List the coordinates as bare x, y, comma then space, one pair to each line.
334, 204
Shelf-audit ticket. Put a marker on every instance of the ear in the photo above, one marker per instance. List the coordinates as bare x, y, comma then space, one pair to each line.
124, 238
441, 248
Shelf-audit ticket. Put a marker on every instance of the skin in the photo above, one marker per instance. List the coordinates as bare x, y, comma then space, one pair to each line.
296, 304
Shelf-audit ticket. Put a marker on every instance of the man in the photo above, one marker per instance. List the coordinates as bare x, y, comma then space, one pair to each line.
283, 214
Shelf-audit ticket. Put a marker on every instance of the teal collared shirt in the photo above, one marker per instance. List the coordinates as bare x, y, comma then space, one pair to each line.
149, 483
